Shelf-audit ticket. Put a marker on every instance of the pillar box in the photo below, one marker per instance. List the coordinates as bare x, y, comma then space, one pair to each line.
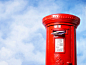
61, 39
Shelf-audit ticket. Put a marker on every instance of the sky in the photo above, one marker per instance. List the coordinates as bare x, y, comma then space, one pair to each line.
23, 36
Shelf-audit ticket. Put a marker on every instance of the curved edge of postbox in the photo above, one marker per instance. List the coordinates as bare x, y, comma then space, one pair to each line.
61, 19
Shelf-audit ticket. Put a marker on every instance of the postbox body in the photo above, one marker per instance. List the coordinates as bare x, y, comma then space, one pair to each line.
61, 39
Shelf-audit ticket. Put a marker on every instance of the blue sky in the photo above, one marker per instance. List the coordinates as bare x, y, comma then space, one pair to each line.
23, 36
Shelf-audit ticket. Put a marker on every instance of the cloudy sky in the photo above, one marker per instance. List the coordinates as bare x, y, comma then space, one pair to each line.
23, 36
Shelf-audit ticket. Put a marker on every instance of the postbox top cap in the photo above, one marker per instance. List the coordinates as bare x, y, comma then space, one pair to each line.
61, 19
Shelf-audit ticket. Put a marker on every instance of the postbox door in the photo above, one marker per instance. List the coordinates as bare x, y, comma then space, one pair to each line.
62, 45
58, 47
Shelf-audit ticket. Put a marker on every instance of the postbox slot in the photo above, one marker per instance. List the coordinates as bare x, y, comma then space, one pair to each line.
56, 32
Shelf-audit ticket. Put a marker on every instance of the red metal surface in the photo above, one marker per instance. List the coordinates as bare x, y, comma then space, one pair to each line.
65, 54
61, 19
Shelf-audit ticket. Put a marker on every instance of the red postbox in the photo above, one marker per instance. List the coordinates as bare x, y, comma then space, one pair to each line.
61, 39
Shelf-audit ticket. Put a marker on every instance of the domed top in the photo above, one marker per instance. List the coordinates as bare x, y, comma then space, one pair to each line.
61, 18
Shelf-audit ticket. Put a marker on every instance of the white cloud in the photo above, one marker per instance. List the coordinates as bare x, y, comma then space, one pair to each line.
81, 51
14, 61
7, 9
5, 53
24, 26
3, 63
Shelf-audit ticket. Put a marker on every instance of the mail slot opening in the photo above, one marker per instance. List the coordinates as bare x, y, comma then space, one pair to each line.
56, 32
